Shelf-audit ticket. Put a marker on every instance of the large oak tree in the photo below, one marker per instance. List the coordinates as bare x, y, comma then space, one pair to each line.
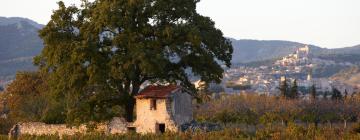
99, 54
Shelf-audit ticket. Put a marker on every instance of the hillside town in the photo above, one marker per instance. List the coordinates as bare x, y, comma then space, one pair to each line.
266, 79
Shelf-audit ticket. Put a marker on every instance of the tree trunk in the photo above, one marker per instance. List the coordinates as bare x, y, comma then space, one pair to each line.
131, 103
130, 109
345, 124
330, 123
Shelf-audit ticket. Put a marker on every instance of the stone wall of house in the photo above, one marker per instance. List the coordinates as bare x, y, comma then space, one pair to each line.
115, 126
173, 112
182, 108
147, 120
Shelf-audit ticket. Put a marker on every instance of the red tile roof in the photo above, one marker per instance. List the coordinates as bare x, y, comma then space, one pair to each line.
157, 91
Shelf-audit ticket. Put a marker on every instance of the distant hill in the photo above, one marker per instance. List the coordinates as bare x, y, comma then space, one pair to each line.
258, 51
16, 20
255, 53
19, 43
349, 76
346, 50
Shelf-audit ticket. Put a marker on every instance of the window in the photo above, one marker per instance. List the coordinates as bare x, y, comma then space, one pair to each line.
153, 104
131, 129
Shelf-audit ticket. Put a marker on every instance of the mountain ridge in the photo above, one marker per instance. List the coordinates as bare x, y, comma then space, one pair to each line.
249, 50
349, 76
19, 43
17, 20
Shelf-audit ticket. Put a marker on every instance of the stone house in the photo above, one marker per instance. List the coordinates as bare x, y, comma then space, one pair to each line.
162, 108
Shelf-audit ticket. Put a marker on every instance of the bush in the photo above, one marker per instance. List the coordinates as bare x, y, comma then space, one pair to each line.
5, 126
294, 131
356, 128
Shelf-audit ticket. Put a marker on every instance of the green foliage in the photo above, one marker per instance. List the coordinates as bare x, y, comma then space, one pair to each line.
98, 55
268, 118
313, 92
28, 100
336, 94
294, 92
284, 89
289, 91
264, 134
225, 116
311, 113
294, 131
5, 125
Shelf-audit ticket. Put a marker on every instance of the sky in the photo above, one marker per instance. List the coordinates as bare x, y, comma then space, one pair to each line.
326, 23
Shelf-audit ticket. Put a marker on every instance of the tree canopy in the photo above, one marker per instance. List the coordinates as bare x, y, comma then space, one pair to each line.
99, 54
336, 94
284, 88
27, 100
294, 92
313, 92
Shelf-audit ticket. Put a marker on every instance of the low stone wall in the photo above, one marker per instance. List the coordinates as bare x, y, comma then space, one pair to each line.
115, 126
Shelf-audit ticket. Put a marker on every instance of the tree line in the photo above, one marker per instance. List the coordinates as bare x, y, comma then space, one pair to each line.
291, 91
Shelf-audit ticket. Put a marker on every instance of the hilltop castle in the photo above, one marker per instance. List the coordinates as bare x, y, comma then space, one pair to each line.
300, 56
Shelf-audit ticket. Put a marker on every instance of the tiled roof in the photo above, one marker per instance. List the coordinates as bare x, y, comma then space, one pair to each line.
157, 91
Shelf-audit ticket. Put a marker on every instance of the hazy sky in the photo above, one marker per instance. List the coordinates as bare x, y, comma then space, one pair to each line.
327, 23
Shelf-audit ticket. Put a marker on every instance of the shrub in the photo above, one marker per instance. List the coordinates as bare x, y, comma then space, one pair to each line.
5, 126
356, 128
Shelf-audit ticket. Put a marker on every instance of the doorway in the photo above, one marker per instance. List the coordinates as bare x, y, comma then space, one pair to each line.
161, 127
